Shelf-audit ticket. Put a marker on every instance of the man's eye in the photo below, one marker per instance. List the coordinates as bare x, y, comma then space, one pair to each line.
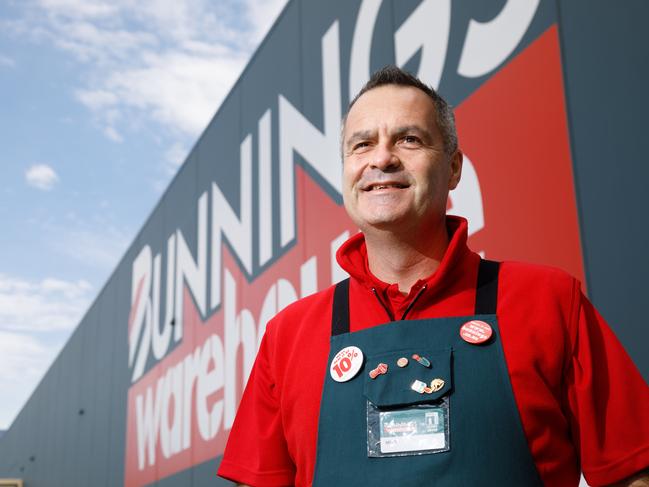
360, 145
410, 139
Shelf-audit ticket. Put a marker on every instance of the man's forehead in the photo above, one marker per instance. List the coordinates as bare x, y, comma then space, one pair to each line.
392, 102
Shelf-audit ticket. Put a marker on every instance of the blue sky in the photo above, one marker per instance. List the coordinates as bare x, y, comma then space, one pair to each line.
101, 101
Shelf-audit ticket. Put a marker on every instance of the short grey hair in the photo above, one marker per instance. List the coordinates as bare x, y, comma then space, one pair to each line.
393, 75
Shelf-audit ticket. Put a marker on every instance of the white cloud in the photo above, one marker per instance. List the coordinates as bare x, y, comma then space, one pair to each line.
41, 176
92, 43
97, 99
79, 8
25, 359
7, 61
45, 305
113, 134
175, 156
177, 90
170, 63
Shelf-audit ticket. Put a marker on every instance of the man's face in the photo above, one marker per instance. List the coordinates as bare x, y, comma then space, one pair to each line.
396, 174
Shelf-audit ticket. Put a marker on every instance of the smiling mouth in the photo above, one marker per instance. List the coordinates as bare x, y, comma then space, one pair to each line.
372, 187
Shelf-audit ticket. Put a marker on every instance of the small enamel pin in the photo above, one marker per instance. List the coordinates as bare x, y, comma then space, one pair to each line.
418, 386
436, 385
422, 360
379, 370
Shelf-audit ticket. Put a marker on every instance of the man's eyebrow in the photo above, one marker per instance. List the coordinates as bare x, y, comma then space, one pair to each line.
360, 135
410, 129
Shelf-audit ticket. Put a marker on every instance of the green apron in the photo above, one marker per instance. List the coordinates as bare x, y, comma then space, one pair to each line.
380, 432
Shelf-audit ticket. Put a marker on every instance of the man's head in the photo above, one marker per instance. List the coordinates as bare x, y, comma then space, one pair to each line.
391, 75
400, 155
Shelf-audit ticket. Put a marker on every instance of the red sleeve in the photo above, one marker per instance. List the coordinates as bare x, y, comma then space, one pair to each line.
608, 400
256, 453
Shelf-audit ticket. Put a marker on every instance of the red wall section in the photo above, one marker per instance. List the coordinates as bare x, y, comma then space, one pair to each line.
514, 129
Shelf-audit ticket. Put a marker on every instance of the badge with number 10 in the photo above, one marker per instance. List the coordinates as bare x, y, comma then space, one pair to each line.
346, 364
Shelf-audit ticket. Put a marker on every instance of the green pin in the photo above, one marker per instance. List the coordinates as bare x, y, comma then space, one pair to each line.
422, 360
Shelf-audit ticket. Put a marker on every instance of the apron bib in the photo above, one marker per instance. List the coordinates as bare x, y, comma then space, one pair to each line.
442, 414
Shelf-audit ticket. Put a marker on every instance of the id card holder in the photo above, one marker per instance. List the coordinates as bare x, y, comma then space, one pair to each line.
413, 430
402, 419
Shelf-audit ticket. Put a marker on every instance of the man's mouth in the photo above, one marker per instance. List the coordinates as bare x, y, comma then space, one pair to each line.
372, 187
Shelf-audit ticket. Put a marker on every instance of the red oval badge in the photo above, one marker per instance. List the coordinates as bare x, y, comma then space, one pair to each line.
476, 331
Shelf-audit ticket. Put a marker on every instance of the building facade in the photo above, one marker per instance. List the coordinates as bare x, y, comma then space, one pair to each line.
550, 103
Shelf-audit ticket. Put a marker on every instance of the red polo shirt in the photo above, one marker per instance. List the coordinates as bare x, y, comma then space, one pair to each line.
580, 397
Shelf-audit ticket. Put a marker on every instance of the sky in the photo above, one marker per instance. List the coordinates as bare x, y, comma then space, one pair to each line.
100, 102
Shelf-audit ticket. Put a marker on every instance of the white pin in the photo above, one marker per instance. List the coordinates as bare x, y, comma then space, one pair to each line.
418, 386
346, 364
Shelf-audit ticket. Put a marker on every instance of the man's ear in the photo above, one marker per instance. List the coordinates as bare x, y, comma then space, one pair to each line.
456, 169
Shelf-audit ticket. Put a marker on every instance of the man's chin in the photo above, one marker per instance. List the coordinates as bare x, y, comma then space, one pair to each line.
393, 224
399, 224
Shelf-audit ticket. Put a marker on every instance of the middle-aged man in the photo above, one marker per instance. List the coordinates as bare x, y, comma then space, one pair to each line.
480, 374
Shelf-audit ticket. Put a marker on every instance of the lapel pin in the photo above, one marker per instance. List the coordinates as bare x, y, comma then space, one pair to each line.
436, 385
418, 386
379, 370
422, 360
475, 332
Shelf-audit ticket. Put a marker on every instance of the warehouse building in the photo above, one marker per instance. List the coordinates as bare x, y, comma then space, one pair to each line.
550, 100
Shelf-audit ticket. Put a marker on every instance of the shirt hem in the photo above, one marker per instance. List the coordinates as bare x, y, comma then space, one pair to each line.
620, 470
240, 474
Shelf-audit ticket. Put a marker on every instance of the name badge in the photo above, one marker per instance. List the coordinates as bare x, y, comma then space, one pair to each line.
414, 430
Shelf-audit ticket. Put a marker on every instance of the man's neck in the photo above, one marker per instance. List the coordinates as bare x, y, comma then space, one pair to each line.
393, 259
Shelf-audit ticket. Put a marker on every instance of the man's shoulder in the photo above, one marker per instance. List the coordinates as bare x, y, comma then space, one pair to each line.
303, 325
312, 310
537, 276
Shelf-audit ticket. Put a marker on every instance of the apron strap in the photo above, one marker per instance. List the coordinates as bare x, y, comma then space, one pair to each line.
486, 297
340, 311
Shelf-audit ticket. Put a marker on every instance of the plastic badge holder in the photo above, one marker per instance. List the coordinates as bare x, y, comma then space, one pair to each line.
418, 429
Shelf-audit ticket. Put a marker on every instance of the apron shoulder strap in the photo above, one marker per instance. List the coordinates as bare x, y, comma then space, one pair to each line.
486, 296
340, 311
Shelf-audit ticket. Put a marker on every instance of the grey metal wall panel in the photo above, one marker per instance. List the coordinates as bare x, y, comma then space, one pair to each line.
61, 439
280, 55
83, 413
119, 374
98, 465
32, 440
46, 392
69, 395
606, 68
266, 76
215, 158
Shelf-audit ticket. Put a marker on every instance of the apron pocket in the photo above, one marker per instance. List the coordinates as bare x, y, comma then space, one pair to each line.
408, 377
407, 402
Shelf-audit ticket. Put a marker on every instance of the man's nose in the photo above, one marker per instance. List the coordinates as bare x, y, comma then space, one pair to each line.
384, 158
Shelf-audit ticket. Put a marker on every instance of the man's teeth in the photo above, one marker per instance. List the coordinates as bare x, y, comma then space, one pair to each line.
384, 186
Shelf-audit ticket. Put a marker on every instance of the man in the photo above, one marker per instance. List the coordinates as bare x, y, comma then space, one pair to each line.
486, 374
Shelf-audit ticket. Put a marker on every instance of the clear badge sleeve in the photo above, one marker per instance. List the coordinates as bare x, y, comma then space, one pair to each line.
418, 429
